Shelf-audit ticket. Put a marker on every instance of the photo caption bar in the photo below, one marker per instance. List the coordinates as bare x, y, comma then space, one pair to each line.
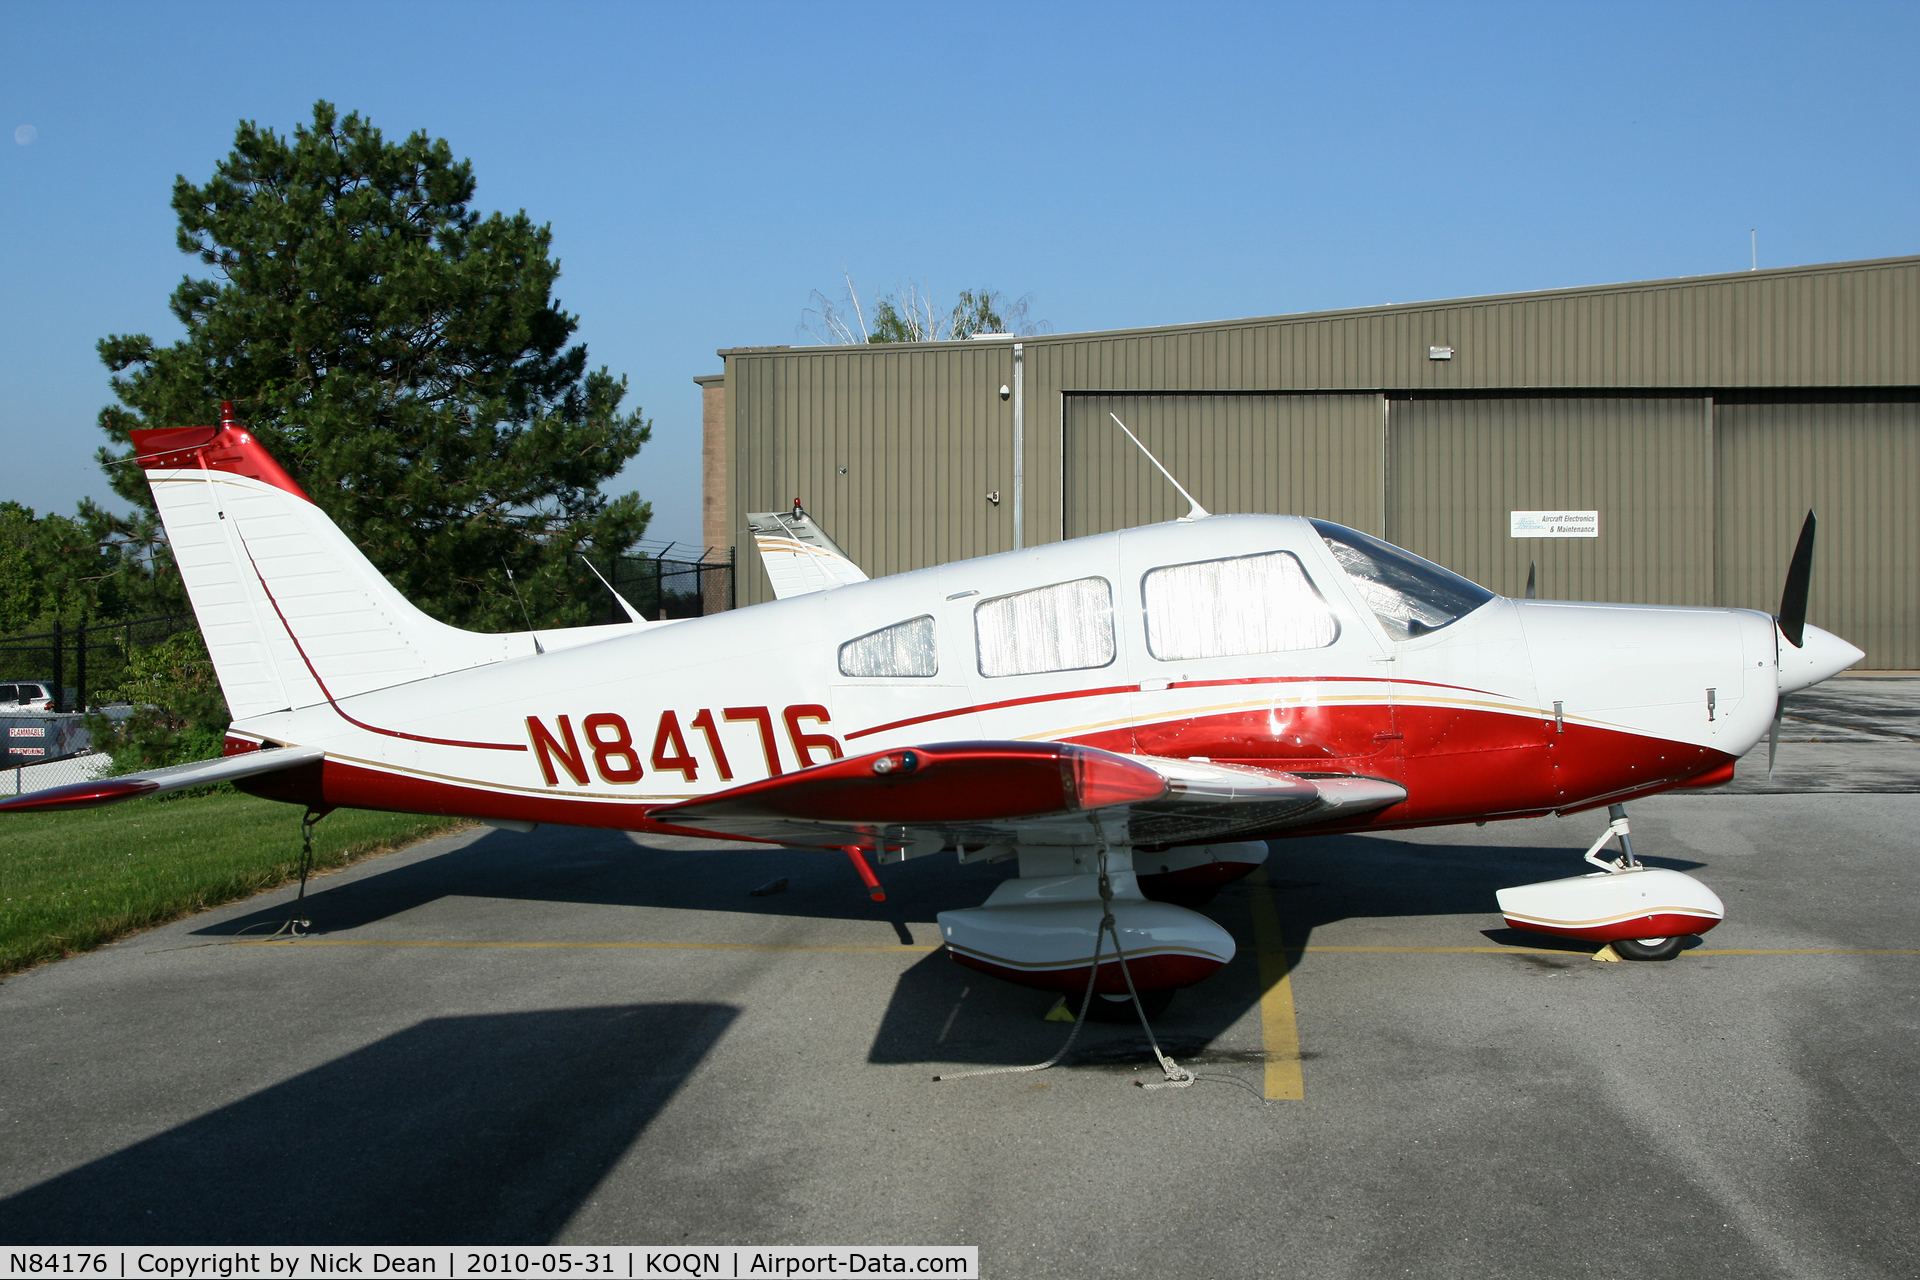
625, 1262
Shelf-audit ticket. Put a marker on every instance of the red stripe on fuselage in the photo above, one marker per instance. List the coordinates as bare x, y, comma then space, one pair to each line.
328, 693
341, 785
1481, 767
1134, 688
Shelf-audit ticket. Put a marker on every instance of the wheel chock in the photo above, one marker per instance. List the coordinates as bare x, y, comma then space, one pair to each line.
1606, 953
1059, 1012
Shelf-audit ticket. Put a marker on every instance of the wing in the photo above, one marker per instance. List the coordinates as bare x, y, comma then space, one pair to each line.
86, 795
799, 556
974, 794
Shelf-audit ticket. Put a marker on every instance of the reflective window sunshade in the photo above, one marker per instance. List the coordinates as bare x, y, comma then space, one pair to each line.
903, 649
1064, 627
1410, 595
1247, 604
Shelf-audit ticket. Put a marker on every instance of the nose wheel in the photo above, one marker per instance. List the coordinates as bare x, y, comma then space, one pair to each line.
1648, 948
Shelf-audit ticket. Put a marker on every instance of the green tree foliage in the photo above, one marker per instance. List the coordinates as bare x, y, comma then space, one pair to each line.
404, 358
65, 568
179, 713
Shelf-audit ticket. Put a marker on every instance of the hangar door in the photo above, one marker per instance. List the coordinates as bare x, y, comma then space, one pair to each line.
1260, 452
1457, 468
1858, 466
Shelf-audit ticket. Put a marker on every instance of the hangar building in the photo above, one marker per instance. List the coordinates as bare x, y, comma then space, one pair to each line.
1701, 417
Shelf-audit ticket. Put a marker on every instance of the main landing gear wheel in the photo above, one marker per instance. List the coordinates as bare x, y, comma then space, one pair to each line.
1649, 948
1120, 1008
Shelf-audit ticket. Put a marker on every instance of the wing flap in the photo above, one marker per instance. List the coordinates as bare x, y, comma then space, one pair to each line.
154, 782
974, 794
948, 782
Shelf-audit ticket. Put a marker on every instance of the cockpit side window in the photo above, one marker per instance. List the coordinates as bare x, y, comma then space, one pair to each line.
1409, 595
903, 649
1222, 608
1064, 627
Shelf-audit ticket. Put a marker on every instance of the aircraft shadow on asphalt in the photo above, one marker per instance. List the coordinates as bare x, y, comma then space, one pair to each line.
481, 1129
944, 1012
582, 865
941, 1011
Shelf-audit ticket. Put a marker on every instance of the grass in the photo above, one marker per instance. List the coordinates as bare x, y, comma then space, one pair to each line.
70, 882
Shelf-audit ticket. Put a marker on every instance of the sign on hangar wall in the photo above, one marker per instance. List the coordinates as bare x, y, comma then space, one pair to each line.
1553, 524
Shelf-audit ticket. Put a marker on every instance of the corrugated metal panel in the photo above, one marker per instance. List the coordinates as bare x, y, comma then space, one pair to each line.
1858, 466
1847, 324
1457, 468
922, 434
1278, 454
932, 437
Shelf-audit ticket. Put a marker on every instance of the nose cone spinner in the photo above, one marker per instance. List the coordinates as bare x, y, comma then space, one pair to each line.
1821, 654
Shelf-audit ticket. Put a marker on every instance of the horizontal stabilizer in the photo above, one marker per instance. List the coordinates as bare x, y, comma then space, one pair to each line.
154, 782
799, 556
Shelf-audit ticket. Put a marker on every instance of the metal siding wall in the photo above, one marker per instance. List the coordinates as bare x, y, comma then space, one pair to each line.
1848, 325
922, 432
1458, 467
1858, 466
1852, 325
1278, 454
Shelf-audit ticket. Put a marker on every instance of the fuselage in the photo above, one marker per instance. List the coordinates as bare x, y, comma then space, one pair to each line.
1514, 708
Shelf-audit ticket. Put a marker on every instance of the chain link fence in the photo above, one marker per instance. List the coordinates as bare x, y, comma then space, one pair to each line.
25, 778
660, 586
82, 662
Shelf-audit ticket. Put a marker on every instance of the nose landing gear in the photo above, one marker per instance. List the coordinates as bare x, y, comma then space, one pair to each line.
1642, 912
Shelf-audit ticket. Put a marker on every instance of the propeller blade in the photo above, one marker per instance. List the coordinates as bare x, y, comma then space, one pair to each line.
1530, 568
1793, 598
1773, 738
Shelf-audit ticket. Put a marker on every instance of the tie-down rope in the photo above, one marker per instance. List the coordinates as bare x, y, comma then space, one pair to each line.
1177, 1076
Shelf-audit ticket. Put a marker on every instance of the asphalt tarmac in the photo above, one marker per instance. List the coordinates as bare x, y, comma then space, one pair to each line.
573, 1036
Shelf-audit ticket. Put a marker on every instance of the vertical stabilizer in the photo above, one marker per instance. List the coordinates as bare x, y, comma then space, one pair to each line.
293, 614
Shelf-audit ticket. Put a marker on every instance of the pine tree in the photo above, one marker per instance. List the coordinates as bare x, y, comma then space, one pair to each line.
404, 358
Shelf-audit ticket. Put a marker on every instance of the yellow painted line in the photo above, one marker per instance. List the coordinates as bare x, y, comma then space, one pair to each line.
566, 946
1266, 930
1570, 951
1807, 951
1279, 1029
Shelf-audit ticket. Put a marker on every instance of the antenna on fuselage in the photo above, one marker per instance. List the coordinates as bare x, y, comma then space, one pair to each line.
1195, 510
632, 612
537, 647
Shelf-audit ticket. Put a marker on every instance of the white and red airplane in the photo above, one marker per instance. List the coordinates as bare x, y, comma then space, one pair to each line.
1130, 715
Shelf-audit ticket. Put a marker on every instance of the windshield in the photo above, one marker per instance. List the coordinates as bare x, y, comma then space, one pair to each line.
1410, 596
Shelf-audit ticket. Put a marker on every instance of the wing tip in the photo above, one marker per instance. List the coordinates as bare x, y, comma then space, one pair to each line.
79, 795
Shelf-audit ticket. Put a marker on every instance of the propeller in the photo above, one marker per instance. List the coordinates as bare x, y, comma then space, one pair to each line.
1792, 621
1793, 597
1530, 591
1773, 736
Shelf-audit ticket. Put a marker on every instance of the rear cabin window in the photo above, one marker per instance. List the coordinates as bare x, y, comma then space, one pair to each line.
1411, 596
8, 693
903, 649
1065, 627
1247, 604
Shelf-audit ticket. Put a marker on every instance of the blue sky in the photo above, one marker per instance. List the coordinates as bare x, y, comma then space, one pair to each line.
704, 168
